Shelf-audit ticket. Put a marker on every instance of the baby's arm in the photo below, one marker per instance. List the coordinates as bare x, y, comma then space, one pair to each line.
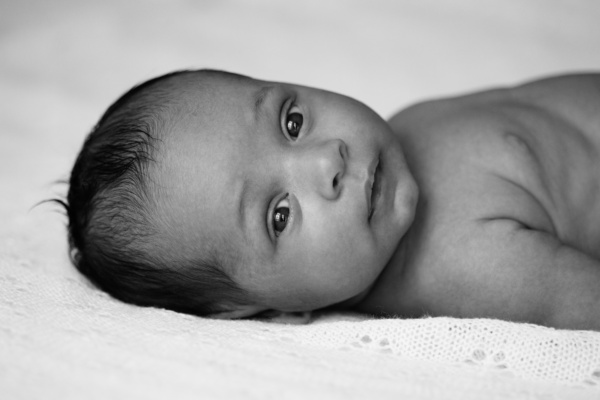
523, 274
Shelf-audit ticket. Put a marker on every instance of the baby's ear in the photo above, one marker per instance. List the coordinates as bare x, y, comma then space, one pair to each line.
239, 312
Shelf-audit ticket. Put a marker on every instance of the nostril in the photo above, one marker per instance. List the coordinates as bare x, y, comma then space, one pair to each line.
335, 182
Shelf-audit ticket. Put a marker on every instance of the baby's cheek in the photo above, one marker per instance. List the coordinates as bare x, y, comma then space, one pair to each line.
337, 242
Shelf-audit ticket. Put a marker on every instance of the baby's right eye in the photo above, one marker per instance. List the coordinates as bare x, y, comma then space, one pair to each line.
280, 215
293, 124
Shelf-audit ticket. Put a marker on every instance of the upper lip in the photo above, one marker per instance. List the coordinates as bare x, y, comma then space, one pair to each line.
370, 182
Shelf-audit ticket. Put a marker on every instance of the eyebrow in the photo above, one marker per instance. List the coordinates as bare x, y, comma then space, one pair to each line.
259, 99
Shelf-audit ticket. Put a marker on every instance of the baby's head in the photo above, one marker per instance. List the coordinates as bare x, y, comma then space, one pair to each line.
213, 193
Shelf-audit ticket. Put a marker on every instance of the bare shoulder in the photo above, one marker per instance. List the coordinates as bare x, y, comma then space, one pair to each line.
471, 157
576, 98
534, 144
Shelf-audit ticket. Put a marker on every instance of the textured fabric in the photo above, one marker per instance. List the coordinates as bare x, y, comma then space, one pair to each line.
59, 337
62, 62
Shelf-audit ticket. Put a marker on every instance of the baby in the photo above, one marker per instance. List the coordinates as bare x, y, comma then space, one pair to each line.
216, 194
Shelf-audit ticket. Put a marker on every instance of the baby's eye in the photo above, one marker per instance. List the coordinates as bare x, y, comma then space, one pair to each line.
280, 216
293, 124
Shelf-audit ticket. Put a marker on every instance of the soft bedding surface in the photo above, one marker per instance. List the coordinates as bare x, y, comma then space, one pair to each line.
63, 62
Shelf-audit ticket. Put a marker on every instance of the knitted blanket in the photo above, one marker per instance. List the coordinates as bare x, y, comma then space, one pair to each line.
61, 338
63, 62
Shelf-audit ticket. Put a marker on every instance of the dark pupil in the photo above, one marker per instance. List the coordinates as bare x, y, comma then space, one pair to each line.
294, 123
281, 216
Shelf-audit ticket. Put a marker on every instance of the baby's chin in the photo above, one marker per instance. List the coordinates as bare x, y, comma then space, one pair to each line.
354, 300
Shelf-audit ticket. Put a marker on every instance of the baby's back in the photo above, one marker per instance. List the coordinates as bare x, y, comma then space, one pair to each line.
509, 216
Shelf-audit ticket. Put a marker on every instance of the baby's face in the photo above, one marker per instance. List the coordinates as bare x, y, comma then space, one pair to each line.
308, 188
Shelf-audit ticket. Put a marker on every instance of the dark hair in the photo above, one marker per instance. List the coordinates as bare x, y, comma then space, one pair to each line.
111, 231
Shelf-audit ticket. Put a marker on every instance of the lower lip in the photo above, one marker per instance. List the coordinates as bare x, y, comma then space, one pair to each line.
376, 193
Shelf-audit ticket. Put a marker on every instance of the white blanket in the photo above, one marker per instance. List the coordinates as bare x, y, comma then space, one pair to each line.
60, 338
63, 62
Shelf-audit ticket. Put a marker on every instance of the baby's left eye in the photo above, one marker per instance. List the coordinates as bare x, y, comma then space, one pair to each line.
293, 124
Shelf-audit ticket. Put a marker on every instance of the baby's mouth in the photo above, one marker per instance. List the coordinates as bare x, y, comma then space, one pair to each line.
375, 189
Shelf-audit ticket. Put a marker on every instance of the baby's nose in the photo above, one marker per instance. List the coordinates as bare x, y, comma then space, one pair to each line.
327, 166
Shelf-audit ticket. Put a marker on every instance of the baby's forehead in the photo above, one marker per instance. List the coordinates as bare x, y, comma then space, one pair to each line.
194, 164
209, 106
200, 101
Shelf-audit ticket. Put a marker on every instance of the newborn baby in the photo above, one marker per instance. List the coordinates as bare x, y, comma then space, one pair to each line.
216, 194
